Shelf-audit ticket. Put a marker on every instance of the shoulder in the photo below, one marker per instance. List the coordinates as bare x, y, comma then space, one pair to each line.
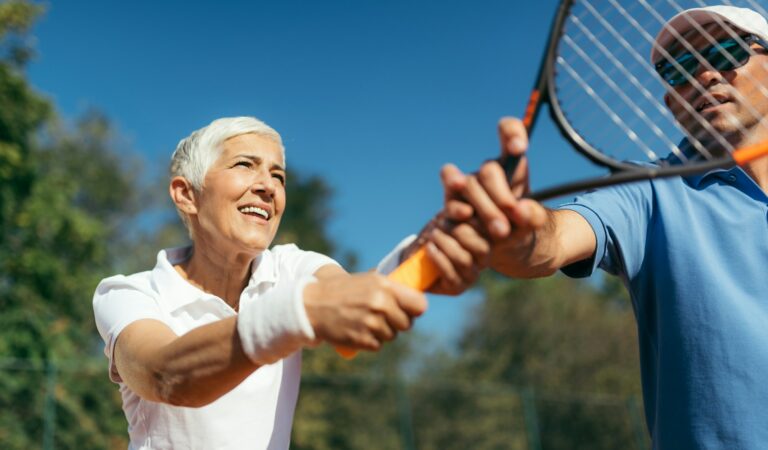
125, 291
289, 257
141, 281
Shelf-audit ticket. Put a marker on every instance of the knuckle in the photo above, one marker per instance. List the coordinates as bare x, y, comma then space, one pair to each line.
379, 301
380, 281
371, 322
487, 171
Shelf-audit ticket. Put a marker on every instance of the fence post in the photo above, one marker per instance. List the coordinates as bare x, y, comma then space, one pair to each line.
49, 412
531, 418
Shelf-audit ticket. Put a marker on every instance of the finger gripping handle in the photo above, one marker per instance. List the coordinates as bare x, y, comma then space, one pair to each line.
417, 272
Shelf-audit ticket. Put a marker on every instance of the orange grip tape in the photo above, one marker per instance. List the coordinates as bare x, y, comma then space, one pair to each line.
533, 101
417, 272
750, 153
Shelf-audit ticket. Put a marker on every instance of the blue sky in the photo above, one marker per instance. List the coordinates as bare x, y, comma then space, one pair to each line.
373, 96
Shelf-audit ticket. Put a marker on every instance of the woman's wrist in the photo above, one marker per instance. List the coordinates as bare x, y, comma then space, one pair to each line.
275, 324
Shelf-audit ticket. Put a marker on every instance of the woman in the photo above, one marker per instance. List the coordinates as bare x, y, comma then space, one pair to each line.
218, 326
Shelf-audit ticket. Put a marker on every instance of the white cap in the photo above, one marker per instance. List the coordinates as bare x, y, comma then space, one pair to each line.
744, 19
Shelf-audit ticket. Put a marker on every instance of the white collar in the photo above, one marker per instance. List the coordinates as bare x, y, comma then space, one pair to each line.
177, 292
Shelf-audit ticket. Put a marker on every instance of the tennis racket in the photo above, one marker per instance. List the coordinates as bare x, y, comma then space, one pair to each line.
607, 98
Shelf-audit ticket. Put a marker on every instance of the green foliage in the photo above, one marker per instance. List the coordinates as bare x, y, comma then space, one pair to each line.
533, 358
352, 404
553, 360
16, 17
61, 195
306, 214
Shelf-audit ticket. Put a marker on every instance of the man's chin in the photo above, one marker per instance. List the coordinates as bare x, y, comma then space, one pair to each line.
717, 143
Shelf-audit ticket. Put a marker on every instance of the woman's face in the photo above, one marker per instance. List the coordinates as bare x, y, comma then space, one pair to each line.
243, 196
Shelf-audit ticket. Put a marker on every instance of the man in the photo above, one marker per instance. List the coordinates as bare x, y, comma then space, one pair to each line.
693, 252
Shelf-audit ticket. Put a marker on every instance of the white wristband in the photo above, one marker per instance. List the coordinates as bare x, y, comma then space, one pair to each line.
274, 325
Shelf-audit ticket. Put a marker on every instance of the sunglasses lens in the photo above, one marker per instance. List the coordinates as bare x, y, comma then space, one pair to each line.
727, 55
672, 75
731, 55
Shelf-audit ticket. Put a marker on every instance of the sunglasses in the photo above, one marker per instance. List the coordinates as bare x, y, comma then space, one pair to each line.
727, 54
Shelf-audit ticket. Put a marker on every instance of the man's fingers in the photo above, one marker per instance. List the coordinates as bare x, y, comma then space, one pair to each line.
487, 201
470, 238
518, 182
456, 262
514, 143
453, 180
528, 215
537, 213
495, 183
458, 210
513, 137
449, 277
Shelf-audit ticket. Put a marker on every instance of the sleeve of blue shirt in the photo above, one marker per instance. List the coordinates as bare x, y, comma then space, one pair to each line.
621, 217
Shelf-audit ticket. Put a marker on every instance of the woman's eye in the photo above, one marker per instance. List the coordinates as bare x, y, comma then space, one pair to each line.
280, 177
243, 163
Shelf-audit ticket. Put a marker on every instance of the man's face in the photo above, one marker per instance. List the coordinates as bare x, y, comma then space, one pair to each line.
732, 102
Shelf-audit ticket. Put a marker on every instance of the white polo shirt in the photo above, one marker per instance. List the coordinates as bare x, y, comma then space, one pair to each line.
258, 413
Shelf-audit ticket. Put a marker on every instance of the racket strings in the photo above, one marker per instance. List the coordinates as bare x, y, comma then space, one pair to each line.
597, 75
610, 92
624, 97
647, 31
629, 121
596, 40
636, 83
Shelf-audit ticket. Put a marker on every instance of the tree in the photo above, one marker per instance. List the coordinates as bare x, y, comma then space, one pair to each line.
61, 196
552, 359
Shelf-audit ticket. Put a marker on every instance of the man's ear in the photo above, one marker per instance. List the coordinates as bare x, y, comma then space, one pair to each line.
183, 195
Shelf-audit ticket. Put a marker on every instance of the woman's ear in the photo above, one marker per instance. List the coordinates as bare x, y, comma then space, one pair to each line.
183, 195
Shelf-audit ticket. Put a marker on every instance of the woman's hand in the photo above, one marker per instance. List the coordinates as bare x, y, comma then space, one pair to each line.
360, 311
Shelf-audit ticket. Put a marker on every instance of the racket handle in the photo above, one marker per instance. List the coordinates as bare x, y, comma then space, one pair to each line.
510, 163
417, 272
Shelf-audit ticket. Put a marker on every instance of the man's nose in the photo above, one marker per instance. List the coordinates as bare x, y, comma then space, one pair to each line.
706, 75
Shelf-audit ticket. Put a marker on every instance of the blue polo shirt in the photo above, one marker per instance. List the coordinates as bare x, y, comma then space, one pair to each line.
693, 253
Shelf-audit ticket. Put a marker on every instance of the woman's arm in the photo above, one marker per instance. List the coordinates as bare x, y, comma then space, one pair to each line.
359, 311
190, 370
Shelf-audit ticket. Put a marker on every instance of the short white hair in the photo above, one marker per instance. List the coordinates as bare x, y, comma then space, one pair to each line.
196, 153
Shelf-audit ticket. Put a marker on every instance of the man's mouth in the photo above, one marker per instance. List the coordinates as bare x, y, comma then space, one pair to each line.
711, 101
255, 211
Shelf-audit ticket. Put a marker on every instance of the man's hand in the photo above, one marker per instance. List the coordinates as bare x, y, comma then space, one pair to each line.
524, 236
